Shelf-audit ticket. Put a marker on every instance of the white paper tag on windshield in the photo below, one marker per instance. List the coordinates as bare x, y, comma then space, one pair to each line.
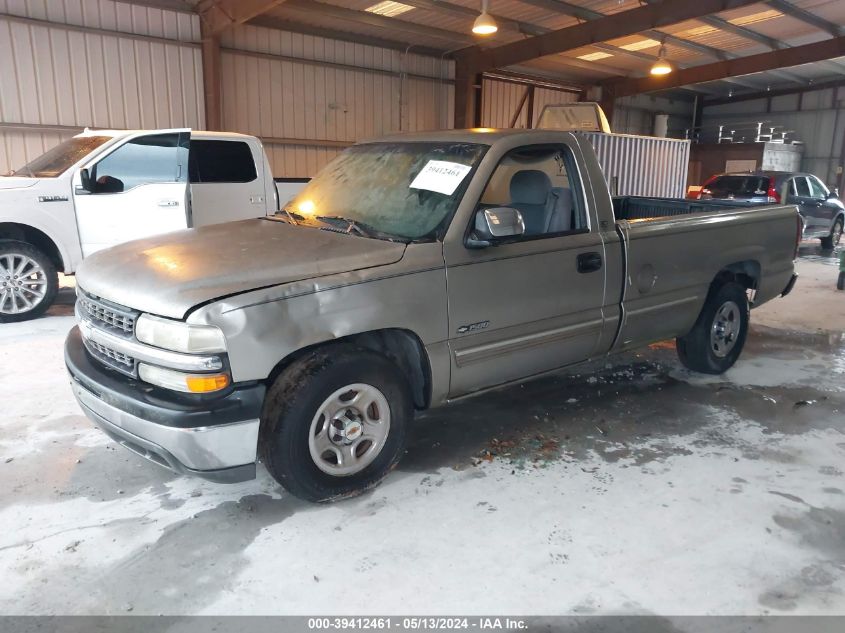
440, 176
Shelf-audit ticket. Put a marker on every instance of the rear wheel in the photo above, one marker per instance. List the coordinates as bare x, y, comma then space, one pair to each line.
28, 282
832, 240
718, 336
334, 423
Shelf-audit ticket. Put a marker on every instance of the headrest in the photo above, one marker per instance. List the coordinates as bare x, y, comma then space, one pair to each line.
530, 186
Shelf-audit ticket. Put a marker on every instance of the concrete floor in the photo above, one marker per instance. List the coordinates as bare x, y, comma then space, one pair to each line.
632, 486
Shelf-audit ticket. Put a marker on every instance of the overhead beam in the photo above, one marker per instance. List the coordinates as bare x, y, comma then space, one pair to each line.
784, 58
528, 28
754, 96
219, 15
609, 27
787, 8
588, 15
271, 22
391, 25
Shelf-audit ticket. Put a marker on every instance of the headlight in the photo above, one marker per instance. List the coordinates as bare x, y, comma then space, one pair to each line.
179, 336
179, 381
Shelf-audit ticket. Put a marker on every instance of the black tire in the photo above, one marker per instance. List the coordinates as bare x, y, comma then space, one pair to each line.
292, 403
830, 242
697, 351
11, 248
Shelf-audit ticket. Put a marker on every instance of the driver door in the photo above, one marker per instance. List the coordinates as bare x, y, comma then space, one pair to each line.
535, 302
137, 190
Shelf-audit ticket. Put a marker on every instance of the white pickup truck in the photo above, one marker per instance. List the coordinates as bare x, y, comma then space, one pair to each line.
106, 187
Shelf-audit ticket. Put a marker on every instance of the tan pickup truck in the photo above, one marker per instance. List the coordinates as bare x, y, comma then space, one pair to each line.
412, 271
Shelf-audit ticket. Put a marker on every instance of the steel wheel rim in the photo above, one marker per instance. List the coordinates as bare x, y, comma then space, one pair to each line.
725, 330
23, 283
837, 232
349, 430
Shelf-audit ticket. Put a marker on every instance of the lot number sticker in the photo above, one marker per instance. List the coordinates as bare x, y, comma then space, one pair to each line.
440, 176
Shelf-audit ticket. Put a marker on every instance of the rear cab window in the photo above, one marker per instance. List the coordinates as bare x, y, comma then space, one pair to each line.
218, 161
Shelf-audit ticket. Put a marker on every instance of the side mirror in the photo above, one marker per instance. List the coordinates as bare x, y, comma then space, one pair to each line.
833, 193
84, 186
495, 223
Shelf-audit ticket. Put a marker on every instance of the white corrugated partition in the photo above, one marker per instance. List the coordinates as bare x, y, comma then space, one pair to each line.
309, 96
642, 165
67, 64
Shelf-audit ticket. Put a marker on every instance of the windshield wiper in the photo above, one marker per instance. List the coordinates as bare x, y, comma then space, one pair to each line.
362, 229
293, 218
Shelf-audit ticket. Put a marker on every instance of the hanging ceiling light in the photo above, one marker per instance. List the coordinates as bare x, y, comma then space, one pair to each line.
662, 65
484, 23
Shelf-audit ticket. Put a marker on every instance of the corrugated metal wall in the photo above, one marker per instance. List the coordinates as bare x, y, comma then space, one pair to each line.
819, 124
309, 96
501, 99
635, 115
67, 64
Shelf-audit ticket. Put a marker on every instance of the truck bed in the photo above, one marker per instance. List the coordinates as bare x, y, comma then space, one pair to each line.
640, 208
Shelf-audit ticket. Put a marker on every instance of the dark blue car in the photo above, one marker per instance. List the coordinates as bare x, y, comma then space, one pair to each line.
822, 210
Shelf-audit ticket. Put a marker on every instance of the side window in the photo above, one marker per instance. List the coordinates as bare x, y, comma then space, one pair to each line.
541, 182
221, 161
801, 187
817, 189
144, 160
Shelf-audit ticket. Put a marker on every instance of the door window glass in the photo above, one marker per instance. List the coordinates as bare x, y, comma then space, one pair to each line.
220, 161
817, 189
541, 182
801, 187
145, 160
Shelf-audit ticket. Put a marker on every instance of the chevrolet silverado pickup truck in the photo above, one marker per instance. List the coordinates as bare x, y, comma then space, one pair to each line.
411, 272
104, 187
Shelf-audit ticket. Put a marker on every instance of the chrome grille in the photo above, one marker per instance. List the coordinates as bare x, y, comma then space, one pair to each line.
107, 317
111, 358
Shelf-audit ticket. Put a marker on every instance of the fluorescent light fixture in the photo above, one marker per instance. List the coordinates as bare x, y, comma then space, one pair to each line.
638, 46
753, 18
591, 57
484, 23
389, 8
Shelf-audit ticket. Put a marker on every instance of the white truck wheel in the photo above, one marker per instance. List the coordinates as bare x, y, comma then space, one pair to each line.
28, 282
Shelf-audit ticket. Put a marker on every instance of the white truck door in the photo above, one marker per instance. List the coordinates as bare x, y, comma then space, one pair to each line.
136, 190
227, 181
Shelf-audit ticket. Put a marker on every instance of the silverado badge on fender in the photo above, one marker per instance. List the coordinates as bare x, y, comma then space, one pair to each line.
473, 327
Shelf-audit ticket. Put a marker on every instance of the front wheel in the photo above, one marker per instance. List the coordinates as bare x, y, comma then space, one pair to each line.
28, 282
831, 241
334, 423
718, 336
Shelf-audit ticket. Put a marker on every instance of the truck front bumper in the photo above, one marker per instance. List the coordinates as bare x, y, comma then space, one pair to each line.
215, 439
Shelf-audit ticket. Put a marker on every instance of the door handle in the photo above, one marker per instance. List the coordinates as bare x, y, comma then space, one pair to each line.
588, 262
168, 203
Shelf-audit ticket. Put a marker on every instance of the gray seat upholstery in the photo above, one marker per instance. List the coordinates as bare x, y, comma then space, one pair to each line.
559, 210
529, 191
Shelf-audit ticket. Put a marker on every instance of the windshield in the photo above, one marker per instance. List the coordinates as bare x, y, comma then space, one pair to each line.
56, 161
738, 186
404, 190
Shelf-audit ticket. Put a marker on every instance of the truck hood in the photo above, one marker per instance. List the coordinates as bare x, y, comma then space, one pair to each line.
15, 182
170, 274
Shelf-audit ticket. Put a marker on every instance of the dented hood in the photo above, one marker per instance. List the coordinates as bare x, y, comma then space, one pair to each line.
172, 273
